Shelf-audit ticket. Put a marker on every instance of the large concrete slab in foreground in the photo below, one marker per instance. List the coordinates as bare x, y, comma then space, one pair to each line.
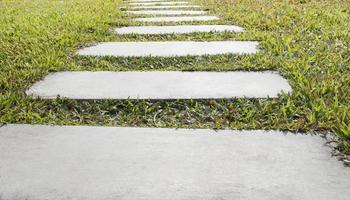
158, 3
177, 29
170, 48
160, 85
166, 12
176, 19
43, 162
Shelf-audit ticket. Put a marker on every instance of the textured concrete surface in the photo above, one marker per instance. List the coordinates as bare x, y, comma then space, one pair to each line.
160, 85
169, 48
164, 7
158, 3
96, 163
176, 19
177, 29
166, 12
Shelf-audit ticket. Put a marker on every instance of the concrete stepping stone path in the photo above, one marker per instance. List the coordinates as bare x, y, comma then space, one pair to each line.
151, 30
158, 3
176, 19
65, 162
170, 48
166, 12
160, 85
84, 162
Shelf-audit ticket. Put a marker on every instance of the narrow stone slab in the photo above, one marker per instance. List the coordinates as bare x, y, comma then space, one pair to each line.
166, 12
170, 48
67, 162
158, 3
165, 7
176, 19
177, 29
160, 85
146, 0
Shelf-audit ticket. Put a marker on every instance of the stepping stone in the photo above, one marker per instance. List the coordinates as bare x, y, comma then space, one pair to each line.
146, 0
169, 48
160, 85
177, 29
165, 7
159, 3
83, 162
166, 12
176, 19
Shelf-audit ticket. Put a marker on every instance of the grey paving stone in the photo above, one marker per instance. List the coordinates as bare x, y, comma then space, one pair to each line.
165, 7
146, 0
176, 19
160, 85
166, 12
169, 48
177, 29
51, 162
158, 3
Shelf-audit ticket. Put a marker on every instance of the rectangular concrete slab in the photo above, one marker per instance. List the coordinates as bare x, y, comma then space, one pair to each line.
170, 48
145, 0
158, 3
177, 29
176, 19
98, 163
165, 7
166, 12
160, 85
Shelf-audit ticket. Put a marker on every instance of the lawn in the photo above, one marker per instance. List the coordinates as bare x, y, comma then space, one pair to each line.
307, 41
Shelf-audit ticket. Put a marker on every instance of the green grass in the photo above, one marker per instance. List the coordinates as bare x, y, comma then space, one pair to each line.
306, 41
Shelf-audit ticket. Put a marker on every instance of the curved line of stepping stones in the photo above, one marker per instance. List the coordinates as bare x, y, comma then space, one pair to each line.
146, 85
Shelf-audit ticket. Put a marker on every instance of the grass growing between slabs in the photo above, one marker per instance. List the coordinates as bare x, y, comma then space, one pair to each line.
307, 41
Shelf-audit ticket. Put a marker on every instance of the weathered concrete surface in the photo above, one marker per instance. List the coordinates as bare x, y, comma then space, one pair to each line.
158, 3
170, 48
176, 19
177, 29
166, 12
165, 7
160, 85
90, 163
